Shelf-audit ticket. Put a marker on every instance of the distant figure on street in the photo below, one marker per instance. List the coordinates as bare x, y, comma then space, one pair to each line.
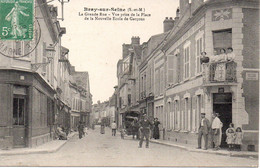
61, 134
216, 126
145, 131
156, 132
203, 131
102, 128
85, 131
135, 128
81, 129
113, 126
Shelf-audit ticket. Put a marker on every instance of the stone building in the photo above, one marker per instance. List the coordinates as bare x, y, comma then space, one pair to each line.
179, 87
193, 87
28, 83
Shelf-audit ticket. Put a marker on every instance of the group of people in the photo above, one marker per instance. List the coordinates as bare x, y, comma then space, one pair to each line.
82, 129
145, 129
220, 59
234, 137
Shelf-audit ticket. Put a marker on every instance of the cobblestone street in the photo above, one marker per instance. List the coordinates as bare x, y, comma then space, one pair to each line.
104, 150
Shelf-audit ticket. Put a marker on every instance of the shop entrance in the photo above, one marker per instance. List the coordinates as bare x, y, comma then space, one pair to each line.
222, 104
19, 121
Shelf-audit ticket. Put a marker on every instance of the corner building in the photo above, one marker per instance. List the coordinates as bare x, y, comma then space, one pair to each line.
192, 87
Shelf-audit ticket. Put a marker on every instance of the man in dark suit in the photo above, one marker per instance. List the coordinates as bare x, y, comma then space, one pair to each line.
203, 131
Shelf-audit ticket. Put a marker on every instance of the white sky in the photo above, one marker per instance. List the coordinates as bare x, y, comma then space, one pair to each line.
96, 46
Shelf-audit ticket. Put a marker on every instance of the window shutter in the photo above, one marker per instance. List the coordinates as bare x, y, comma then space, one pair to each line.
44, 59
170, 69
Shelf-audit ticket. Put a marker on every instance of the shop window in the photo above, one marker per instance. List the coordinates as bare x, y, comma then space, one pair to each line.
18, 110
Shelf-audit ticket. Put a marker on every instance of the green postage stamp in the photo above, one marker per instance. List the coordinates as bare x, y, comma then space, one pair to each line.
16, 19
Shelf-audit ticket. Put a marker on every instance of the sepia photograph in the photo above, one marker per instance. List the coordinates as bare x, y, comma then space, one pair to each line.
129, 83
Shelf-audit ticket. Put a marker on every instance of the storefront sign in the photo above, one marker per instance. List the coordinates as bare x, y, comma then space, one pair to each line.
251, 75
221, 90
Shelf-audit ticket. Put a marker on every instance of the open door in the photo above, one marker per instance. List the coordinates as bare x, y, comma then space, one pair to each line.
222, 104
20, 114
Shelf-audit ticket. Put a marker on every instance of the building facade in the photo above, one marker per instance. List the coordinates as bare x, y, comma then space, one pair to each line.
28, 83
176, 87
210, 26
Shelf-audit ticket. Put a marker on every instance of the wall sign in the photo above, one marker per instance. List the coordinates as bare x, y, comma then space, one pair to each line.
221, 90
251, 75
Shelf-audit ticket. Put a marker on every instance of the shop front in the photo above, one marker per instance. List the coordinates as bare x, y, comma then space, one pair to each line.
26, 109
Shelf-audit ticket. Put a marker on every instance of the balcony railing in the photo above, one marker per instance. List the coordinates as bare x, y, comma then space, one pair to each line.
219, 72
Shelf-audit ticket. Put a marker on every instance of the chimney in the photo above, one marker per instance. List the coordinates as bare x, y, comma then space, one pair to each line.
135, 40
168, 24
195, 4
184, 4
125, 48
177, 15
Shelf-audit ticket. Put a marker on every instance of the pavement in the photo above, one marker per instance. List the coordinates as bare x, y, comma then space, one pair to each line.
55, 145
49, 147
191, 148
97, 149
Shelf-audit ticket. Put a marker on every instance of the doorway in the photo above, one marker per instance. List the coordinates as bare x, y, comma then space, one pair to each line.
222, 104
19, 121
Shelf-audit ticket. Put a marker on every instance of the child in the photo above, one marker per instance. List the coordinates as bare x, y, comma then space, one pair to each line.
239, 137
123, 132
231, 135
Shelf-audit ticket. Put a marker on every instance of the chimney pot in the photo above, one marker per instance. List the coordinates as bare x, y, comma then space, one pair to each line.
168, 24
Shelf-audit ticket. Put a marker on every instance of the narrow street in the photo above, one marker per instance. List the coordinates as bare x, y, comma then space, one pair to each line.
104, 150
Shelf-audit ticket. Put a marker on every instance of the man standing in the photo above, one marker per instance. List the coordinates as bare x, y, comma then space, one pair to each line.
203, 131
145, 131
113, 126
216, 126
80, 129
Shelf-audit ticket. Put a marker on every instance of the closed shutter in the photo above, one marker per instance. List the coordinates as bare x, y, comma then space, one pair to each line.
5, 104
170, 69
44, 57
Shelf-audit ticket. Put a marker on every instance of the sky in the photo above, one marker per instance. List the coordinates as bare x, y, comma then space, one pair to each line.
96, 46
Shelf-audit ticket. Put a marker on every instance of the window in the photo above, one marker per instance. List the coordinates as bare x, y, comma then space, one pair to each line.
199, 50
199, 106
170, 116
170, 74
177, 117
187, 62
222, 39
18, 110
161, 80
157, 82
44, 57
185, 117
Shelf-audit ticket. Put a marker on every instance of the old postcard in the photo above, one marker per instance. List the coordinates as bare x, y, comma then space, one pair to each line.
129, 83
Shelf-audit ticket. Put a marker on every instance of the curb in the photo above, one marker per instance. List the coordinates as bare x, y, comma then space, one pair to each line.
207, 151
37, 151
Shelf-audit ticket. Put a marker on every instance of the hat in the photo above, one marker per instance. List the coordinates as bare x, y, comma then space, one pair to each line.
203, 113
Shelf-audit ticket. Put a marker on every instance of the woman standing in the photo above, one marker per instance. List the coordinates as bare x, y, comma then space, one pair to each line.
102, 129
156, 133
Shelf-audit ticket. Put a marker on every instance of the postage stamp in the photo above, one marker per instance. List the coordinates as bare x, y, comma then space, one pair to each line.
16, 19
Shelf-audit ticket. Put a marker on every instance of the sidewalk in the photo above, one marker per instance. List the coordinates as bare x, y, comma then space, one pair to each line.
49, 147
210, 151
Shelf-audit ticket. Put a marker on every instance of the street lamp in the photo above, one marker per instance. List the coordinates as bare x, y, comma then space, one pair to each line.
62, 8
